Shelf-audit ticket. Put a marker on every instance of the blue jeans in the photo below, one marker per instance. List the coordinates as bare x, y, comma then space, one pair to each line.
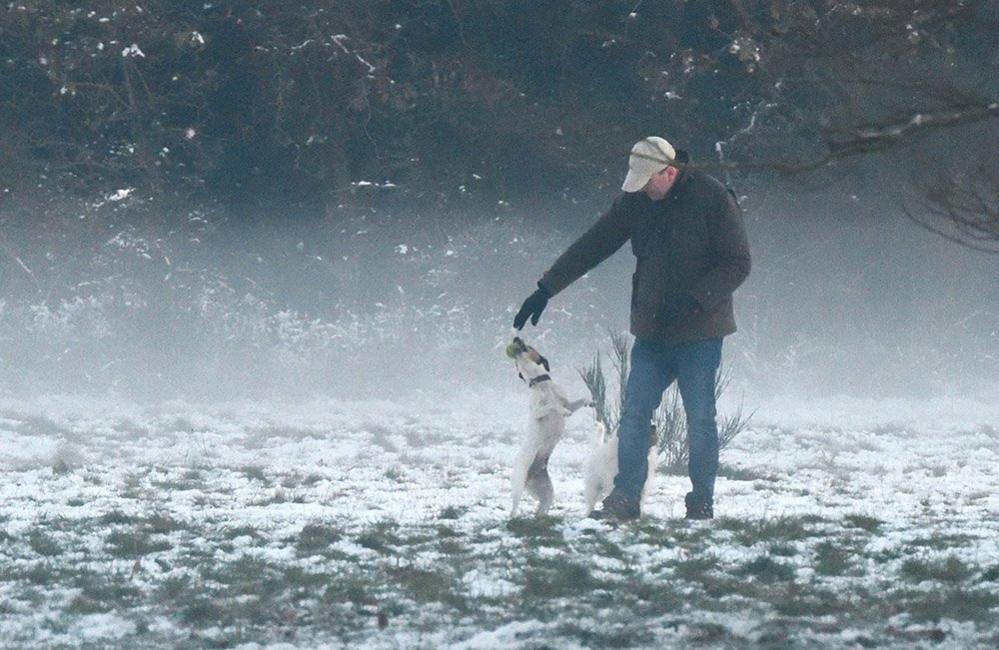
654, 366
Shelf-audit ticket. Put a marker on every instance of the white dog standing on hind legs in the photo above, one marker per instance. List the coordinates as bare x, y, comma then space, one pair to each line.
546, 424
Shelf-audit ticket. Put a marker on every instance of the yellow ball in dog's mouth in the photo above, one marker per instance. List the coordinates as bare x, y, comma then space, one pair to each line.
512, 350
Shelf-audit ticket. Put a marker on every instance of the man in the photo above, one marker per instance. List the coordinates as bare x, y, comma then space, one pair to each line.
691, 252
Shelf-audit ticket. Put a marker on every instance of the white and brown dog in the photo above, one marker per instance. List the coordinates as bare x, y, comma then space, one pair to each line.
546, 424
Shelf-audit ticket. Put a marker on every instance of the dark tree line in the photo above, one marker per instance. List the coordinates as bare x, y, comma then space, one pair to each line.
321, 104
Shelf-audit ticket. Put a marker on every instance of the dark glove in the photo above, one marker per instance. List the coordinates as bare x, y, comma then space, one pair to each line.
682, 308
533, 306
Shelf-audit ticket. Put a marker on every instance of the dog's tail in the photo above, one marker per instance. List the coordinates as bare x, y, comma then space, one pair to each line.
599, 434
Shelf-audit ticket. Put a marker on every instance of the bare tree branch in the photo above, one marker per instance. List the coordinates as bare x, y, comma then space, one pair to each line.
866, 139
962, 208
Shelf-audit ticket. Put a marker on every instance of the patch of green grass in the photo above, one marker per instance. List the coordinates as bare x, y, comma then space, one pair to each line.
180, 484
380, 536
792, 600
141, 626
37, 596
54, 625
944, 542
347, 588
734, 473
243, 575
134, 543
709, 634
538, 530
667, 534
766, 569
451, 512
890, 429
102, 594
863, 522
450, 546
304, 583
131, 489
175, 587
776, 529
42, 573
719, 586
604, 635
161, 523
316, 537
240, 531
606, 548
425, 585
782, 549
955, 603
991, 574
200, 610
62, 466
291, 481
831, 559
246, 593
117, 517
776, 633
689, 534
557, 577
732, 524
43, 544
950, 569
254, 472
656, 596
695, 568
444, 531
449, 541
888, 554
94, 478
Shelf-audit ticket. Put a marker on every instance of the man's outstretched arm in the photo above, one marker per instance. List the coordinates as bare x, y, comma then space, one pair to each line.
595, 245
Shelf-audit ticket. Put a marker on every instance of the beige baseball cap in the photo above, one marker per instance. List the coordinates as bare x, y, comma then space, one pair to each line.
649, 156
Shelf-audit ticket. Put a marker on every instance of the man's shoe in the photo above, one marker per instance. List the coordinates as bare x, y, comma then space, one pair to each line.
618, 506
698, 509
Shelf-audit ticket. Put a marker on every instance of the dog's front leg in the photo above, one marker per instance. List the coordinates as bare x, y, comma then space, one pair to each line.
575, 405
570, 407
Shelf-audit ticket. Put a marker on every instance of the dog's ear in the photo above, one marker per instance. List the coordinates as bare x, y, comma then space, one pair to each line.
544, 362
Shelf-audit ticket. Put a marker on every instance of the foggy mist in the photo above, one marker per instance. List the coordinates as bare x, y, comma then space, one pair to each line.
846, 296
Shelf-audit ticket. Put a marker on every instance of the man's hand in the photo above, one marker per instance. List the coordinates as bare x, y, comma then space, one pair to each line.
533, 306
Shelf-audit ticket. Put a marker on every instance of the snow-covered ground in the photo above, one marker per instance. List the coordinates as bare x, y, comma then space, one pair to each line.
841, 523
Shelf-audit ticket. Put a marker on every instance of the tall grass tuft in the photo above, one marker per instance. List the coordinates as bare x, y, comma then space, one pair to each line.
669, 420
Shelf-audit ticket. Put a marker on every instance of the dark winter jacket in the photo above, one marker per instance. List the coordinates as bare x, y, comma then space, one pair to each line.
692, 243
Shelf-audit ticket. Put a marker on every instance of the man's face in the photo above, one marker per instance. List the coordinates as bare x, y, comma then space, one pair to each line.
660, 183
